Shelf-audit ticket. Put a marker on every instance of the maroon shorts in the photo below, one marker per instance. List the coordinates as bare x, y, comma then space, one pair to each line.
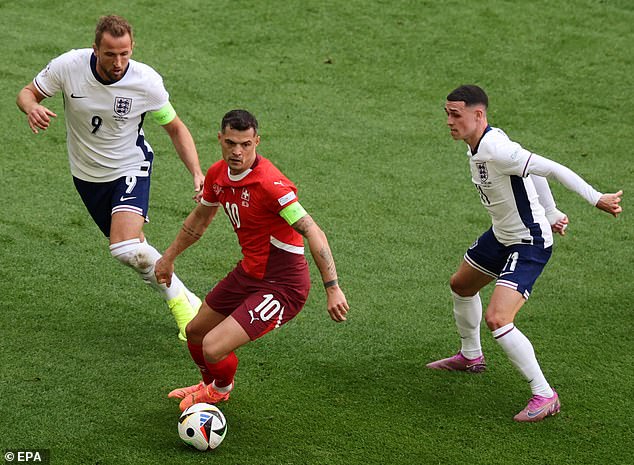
259, 305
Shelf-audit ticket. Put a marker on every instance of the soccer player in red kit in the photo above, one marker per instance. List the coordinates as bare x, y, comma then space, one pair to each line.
269, 286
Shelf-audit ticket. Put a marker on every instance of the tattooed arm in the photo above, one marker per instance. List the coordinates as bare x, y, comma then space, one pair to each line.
320, 250
193, 228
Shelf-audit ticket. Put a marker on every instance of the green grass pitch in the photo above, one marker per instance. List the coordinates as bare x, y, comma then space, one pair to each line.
350, 98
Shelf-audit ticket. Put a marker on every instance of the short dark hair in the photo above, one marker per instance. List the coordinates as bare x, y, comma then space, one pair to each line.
114, 25
240, 120
470, 94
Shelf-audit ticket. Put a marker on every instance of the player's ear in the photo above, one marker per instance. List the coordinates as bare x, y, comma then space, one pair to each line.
257, 140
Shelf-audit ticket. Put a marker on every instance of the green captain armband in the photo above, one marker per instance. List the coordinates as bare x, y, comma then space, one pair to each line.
293, 213
165, 115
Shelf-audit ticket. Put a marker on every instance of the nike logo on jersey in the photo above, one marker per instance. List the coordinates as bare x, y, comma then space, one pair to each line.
77, 96
278, 183
123, 199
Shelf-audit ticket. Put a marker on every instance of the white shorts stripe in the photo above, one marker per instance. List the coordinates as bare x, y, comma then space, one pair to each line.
505, 283
127, 208
478, 267
511, 285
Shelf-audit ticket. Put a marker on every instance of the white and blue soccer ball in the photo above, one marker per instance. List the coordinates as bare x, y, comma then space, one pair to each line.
202, 426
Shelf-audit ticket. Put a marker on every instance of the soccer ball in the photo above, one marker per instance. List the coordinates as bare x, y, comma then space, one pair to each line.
202, 426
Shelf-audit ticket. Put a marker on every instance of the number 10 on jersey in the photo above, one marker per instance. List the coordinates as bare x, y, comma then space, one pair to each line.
233, 213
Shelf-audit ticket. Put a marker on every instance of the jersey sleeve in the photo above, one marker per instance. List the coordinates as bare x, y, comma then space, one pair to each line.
210, 197
549, 169
542, 188
546, 199
50, 80
284, 194
511, 158
157, 95
280, 191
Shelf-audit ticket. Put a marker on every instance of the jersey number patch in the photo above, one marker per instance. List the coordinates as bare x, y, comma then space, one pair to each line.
233, 213
96, 123
511, 262
267, 309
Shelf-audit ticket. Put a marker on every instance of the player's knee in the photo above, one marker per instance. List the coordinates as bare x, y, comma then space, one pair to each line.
212, 353
495, 319
458, 286
194, 332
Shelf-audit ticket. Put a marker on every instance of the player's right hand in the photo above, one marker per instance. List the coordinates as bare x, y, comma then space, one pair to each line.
558, 221
39, 118
559, 226
199, 183
163, 270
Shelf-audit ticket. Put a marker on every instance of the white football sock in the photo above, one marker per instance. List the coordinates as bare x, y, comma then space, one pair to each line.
223, 389
520, 351
141, 256
148, 276
468, 314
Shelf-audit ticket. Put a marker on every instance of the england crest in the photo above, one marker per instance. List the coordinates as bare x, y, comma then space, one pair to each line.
122, 105
482, 170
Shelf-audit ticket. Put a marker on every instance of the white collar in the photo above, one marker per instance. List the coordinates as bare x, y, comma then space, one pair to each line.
238, 177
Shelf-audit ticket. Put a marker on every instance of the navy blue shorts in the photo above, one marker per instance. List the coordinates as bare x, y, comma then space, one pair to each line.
516, 266
103, 199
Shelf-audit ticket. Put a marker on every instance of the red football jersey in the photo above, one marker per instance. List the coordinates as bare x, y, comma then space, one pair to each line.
252, 200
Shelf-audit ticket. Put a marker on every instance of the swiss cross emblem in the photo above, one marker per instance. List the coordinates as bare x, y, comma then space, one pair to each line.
245, 197
482, 170
122, 105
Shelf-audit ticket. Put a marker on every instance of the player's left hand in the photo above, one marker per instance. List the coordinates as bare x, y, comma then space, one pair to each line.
199, 181
610, 203
337, 304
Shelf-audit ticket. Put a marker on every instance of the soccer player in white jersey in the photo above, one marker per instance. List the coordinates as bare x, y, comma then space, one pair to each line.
107, 96
511, 183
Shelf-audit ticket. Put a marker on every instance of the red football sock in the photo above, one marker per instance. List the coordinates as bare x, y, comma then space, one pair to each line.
224, 371
196, 352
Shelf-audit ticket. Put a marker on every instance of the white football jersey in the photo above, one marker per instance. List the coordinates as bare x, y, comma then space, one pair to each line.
104, 120
499, 172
